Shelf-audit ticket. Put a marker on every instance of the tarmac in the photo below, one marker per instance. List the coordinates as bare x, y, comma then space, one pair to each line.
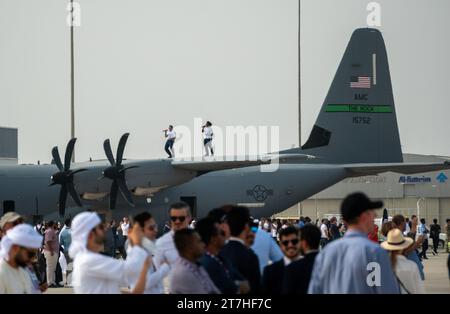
437, 279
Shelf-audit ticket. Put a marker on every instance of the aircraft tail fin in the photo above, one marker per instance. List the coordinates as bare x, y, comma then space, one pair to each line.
357, 122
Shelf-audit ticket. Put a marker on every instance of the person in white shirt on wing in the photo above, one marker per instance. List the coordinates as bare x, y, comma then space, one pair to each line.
180, 218
19, 246
406, 271
97, 273
208, 136
171, 136
155, 276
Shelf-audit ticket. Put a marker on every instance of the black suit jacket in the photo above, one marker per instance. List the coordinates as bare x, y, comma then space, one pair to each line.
245, 261
223, 275
297, 275
272, 279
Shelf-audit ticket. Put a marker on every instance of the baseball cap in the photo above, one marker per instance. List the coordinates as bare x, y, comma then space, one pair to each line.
356, 203
9, 217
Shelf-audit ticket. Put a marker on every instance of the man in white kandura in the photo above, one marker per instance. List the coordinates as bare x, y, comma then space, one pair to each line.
19, 246
97, 273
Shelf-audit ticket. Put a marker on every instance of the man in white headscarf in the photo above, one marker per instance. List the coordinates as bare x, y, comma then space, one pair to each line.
97, 273
18, 248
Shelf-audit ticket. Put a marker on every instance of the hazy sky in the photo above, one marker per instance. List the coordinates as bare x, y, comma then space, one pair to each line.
143, 64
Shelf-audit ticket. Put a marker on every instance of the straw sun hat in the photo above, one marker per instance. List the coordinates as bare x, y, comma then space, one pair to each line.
396, 241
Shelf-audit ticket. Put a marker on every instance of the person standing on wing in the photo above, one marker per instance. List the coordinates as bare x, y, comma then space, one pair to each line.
170, 135
208, 136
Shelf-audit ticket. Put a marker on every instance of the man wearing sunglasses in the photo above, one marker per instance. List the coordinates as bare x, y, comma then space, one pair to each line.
180, 218
272, 279
298, 274
155, 276
19, 247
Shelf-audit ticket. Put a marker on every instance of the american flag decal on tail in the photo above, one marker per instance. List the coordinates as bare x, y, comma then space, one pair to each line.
360, 82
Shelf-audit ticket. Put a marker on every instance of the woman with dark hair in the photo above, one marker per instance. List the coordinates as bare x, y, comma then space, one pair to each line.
208, 136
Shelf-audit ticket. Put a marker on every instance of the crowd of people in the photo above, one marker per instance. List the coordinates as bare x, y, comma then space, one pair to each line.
226, 252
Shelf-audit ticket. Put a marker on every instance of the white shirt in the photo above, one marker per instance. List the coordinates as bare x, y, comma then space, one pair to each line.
94, 273
207, 132
237, 239
14, 280
125, 227
407, 229
155, 276
323, 231
408, 273
166, 250
287, 261
273, 231
171, 135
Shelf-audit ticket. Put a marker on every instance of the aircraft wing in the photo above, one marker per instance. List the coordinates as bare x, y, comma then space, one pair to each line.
205, 165
404, 168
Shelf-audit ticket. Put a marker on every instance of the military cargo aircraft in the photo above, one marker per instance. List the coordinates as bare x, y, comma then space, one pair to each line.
355, 134
29, 188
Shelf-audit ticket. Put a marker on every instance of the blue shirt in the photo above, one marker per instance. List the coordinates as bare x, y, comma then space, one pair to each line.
342, 267
65, 238
412, 256
422, 229
266, 249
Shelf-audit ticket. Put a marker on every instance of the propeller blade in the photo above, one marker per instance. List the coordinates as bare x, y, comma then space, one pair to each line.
69, 152
108, 152
57, 159
125, 192
70, 187
78, 170
113, 195
126, 168
121, 148
62, 200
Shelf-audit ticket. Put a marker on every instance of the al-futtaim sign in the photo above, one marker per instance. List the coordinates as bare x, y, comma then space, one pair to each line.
414, 180
441, 178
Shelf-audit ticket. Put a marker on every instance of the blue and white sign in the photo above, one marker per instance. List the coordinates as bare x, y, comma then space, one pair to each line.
442, 178
414, 180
